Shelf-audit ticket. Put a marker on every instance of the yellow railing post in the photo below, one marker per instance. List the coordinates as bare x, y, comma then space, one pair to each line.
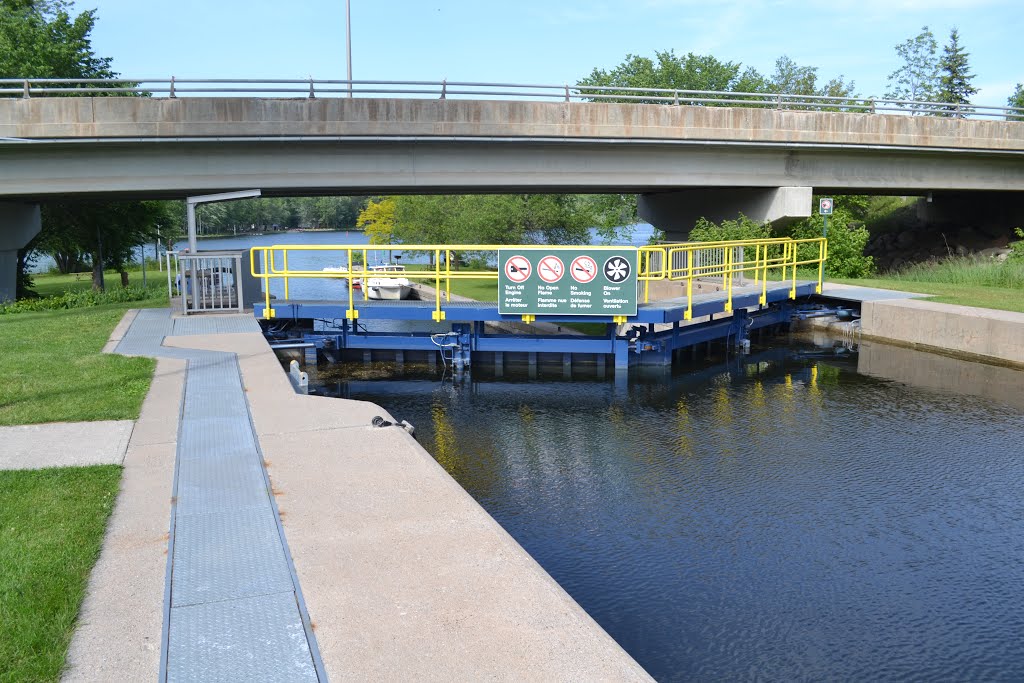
285, 252
268, 312
792, 291
448, 275
647, 282
821, 265
764, 277
727, 277
688, 315
438, 314
351, 313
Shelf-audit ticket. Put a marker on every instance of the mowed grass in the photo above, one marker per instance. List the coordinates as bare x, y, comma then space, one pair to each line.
961, 281
45, 284
51, 528
53, 368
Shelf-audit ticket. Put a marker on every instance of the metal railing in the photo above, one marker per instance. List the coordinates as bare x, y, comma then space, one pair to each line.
205, 282
758, 261
313, 88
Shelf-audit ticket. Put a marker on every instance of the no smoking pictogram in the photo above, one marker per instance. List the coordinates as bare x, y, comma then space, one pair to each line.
517, 269
550, 269
616, 269
825, 206
583, 269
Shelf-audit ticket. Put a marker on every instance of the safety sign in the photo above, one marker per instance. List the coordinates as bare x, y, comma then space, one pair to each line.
550, 269
583, 269
601, 282
517, 268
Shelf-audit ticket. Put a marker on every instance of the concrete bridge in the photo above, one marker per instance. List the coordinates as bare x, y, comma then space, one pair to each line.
684, 161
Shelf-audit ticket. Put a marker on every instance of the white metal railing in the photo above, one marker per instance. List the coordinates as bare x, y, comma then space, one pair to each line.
205, 282
313, 88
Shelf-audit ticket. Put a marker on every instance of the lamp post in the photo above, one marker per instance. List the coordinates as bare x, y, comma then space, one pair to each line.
348, 42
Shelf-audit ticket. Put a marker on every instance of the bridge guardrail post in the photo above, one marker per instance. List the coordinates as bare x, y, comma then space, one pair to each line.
312, 95
444, 89
25, 90
171, 94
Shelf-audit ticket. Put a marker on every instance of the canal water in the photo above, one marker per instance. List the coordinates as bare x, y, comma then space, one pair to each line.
802, 513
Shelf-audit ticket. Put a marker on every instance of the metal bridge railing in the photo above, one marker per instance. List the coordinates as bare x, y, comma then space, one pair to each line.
759, 261
313, 88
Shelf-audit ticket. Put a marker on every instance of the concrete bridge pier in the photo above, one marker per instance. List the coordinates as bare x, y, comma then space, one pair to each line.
676, 212
19, 223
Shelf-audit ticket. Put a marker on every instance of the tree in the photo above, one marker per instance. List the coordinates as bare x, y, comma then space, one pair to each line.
1016, 100
790, 78
955, 77
672, 72
378, 220
40, 39
484, 219
107, 231
917, 79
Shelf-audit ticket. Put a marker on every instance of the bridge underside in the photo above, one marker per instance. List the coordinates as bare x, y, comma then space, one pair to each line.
175, 168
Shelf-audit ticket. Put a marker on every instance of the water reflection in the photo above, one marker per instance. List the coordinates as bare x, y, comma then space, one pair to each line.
794, 515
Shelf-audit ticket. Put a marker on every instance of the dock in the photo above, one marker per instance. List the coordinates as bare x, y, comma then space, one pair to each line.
757, 287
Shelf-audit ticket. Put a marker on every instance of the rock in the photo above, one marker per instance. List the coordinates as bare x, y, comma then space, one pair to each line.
997, 253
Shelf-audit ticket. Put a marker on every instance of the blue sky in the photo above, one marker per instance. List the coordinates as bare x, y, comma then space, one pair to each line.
551, 42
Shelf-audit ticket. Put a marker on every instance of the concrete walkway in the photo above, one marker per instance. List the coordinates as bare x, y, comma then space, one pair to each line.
64, 444
406, 577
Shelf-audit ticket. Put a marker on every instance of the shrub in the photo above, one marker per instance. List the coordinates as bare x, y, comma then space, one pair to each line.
83, 299
1017, 255
846, 242
740, 229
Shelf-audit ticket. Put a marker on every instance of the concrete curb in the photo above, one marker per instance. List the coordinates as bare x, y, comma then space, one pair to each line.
122, 327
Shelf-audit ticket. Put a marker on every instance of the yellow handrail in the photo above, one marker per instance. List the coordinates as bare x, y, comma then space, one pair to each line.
682, 262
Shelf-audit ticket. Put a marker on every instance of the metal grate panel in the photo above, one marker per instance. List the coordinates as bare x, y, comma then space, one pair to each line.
258, 639
216, 324
226, 555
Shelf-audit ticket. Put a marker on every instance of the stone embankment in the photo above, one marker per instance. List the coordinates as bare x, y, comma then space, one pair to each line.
919, 243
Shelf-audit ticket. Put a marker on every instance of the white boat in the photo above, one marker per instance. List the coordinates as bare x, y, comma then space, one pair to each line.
356, 282
387, 287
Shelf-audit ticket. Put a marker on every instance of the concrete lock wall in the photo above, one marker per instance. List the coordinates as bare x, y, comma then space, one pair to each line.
982, 333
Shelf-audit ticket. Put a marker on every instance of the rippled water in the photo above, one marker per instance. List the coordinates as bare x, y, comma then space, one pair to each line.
785, 517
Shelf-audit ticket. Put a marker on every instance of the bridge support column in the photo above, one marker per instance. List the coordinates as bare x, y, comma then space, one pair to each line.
19, 223
675, 213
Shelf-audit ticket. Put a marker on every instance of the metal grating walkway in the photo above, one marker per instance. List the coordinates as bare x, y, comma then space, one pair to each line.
233, 608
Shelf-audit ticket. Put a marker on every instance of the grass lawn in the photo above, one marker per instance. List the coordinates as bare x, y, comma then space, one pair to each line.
54, 285
53, 369
1000, 298
51, 527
